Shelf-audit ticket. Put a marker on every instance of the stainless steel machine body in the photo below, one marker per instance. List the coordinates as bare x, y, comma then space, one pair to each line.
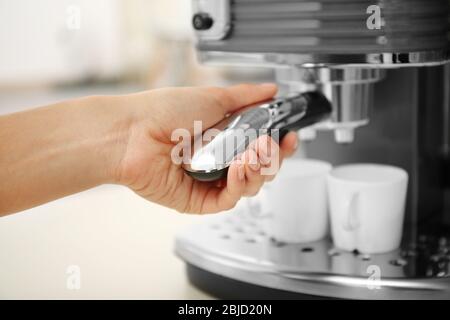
382, 65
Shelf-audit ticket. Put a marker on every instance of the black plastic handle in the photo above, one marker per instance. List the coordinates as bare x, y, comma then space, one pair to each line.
316, 107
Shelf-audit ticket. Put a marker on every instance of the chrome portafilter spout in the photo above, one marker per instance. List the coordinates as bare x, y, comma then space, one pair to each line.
236, 132
349, 89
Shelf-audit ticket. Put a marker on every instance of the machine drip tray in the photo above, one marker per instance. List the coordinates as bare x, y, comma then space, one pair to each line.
227, 246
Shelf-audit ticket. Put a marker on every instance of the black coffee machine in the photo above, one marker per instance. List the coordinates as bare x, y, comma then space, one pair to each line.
383, 66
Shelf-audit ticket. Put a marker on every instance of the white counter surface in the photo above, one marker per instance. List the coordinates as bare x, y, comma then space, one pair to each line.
122, 244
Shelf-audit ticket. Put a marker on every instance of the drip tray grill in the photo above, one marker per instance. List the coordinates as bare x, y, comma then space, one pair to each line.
238, 248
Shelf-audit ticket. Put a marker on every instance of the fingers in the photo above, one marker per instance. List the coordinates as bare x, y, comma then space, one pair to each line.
247, 174
243, 179
228, 196
270, 155
253, 177
289, 144
261, 162
236, 97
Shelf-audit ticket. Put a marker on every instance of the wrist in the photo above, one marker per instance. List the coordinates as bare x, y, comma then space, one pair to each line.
112, 124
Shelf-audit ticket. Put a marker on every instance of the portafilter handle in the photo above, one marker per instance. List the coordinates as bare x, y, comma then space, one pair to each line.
278, 116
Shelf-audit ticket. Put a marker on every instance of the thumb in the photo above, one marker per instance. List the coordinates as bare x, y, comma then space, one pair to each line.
243, 95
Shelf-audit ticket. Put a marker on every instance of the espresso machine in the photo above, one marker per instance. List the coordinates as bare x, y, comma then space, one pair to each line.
382, 66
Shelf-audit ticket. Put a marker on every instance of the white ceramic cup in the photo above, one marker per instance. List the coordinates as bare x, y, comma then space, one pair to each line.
297, 199
367, 206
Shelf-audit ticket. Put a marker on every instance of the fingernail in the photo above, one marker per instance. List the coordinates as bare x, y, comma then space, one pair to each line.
265, 159
238, 159
254, 166
253, 161
241, 172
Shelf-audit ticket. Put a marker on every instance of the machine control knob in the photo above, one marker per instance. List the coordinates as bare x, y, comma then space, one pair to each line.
202, 21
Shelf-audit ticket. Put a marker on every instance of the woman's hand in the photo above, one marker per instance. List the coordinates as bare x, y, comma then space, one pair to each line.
147, 168
61, 149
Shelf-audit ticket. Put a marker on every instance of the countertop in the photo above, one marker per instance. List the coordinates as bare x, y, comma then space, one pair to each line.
121, 245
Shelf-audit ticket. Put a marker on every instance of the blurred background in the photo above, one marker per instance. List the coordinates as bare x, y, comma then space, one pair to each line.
52, 50
63, 43
66, 42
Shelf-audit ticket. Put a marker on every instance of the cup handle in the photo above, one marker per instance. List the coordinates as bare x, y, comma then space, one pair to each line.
351, 221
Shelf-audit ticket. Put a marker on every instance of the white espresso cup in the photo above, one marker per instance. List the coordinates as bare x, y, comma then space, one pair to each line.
367, 206
298, 202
